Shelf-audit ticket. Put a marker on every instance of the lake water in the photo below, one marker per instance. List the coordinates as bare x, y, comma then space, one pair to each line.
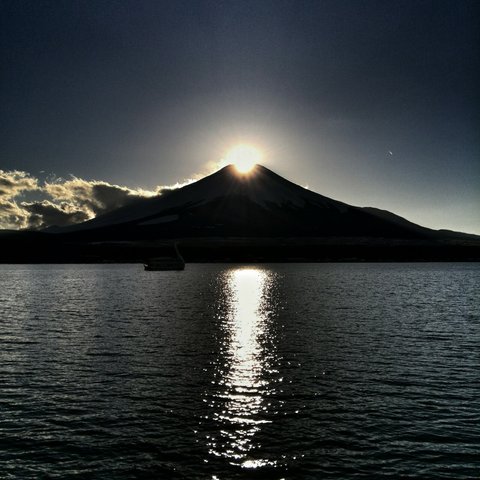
294, 371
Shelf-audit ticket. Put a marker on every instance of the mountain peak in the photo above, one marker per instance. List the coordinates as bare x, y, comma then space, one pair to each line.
258, 177
255, 170
232, 203
260, 186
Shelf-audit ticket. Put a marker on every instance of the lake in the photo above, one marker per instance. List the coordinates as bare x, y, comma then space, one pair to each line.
293, 371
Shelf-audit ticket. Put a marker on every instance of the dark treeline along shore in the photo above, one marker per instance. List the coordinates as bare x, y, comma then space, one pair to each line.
227, 216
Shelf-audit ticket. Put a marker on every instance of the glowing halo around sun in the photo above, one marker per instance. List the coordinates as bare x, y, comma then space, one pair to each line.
243, 157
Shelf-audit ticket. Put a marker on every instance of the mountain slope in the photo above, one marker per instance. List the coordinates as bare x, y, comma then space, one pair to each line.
261, 203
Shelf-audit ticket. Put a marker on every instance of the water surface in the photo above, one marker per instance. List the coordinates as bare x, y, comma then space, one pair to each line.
300, 371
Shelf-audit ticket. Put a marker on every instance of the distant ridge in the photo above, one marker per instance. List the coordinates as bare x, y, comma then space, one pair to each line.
228, 216
262, 203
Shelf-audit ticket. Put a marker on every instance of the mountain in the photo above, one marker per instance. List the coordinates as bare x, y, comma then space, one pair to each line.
259, 204
228, 216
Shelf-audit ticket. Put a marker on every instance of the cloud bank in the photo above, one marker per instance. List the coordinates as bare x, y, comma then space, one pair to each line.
60, 202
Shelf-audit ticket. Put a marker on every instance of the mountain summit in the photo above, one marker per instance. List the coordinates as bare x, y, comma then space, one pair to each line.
260, 203
252, 217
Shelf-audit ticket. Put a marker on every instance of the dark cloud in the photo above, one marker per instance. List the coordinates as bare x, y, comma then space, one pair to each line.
63, 202
93, 196
45, 213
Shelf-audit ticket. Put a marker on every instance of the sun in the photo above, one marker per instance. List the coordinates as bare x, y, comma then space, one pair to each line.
243, 157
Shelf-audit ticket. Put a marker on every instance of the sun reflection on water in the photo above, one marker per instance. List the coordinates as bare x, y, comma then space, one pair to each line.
246, 369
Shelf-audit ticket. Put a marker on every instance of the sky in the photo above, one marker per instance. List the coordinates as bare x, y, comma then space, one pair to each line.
374, 103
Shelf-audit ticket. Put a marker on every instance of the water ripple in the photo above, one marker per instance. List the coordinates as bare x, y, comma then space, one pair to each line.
277, 371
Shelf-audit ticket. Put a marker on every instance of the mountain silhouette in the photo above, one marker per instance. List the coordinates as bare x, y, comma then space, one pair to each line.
260, 203
233, 217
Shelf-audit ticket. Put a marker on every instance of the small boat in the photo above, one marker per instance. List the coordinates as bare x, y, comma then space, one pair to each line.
174, 262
